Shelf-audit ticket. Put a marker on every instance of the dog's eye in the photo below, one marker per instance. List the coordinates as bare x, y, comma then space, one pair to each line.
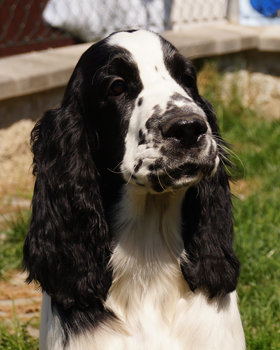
117, 88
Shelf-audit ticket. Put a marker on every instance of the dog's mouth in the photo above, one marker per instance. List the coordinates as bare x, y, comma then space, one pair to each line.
161, 178
176, 178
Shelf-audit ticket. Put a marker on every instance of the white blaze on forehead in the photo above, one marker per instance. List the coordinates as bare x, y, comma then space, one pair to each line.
147, 53
146, 50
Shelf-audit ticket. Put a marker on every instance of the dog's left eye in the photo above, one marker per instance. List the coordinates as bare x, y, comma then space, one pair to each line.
117, 88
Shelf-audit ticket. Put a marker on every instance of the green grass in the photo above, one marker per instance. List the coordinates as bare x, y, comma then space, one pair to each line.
256, 140
16, 337
257, 245
11, 247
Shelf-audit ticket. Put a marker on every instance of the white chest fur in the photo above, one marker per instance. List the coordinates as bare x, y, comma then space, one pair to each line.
155, 308
147, 281
149, 295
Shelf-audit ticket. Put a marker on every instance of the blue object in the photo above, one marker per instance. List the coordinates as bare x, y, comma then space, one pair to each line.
268, 8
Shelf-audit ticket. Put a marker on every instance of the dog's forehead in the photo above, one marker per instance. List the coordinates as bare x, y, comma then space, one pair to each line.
146, 50
142, 44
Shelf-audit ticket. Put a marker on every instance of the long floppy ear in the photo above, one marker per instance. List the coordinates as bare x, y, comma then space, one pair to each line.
67, 246
208, 229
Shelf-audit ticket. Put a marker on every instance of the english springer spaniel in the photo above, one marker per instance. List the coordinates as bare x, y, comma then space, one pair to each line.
131, 232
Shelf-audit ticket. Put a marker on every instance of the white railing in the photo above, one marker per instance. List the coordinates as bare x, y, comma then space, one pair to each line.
92, 19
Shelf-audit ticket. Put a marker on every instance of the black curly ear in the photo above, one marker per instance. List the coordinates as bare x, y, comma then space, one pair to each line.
67, 246
208, 229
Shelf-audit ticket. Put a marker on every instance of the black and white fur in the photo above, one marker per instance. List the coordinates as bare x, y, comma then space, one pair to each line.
131, 233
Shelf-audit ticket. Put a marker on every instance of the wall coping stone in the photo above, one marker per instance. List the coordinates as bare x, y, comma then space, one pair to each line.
45, 70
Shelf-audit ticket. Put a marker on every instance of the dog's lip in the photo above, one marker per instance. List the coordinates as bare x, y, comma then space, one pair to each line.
167, 177
177, 177
185, 181
188, 171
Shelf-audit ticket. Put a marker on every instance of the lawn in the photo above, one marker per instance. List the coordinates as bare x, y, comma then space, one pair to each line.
255, 141
16, 337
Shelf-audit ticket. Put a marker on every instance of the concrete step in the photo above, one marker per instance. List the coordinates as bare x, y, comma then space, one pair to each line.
45, 70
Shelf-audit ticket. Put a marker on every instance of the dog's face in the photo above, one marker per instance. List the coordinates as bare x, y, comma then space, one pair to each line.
148, 105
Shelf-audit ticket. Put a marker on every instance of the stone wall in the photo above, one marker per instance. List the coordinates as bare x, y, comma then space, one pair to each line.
257, 78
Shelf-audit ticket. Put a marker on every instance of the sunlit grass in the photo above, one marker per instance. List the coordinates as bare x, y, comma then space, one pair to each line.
256, 140
16, 337
12, 239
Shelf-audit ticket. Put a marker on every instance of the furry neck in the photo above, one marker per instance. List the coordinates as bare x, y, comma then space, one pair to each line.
147, 252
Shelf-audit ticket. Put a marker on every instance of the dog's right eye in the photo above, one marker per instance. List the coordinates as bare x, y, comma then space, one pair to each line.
117, 88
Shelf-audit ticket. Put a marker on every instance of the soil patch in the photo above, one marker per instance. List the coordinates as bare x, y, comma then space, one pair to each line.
16, 157
18, 298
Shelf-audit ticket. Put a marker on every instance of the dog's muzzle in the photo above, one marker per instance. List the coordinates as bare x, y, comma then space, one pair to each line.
174, 149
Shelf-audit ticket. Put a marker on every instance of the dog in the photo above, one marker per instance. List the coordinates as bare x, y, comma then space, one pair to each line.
131, 230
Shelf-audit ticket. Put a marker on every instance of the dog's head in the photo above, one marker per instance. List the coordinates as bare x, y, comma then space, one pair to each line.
141, 95
169, 142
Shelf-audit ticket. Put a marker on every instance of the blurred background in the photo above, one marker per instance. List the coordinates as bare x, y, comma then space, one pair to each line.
28, 25
235, 47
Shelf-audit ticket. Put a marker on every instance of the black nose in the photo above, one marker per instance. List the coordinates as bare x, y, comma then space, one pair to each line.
186, 129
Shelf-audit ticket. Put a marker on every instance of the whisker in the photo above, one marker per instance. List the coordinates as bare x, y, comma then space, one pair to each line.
222, 156
218, 137
164, 189
114, 170
228, 151
165, 170
228, 169
128, 181
232, 154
